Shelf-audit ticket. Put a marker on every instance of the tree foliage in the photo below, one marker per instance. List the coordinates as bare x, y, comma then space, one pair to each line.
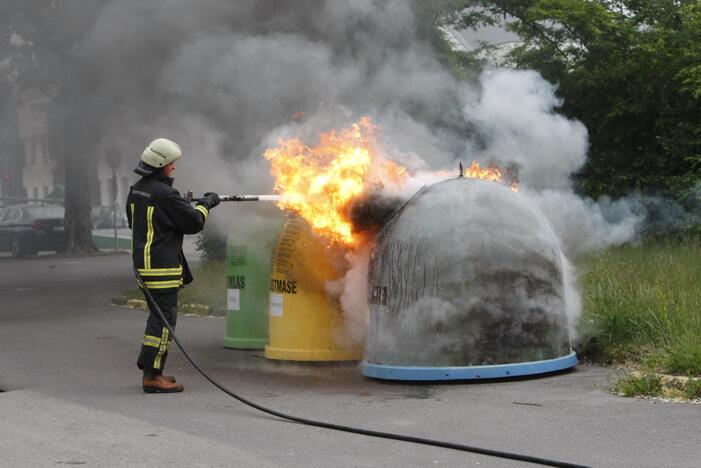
630, 70
431, 16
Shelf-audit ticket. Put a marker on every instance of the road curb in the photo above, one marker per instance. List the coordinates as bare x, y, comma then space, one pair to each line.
673, 386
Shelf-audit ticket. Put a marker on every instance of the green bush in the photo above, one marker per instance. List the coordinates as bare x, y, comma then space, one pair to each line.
212, 243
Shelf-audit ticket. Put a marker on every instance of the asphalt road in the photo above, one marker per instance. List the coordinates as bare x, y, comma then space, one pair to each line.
73, 397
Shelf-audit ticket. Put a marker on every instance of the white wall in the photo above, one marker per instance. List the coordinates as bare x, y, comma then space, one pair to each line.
39, 167
125, 178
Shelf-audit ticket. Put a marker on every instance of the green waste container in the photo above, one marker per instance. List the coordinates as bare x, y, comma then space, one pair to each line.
248, 249
247, 271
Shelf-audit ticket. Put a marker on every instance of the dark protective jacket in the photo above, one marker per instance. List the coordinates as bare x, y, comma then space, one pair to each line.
158, 218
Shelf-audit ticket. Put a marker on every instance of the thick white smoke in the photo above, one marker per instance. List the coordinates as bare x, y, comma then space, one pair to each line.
585, 226
515, 113
352, 292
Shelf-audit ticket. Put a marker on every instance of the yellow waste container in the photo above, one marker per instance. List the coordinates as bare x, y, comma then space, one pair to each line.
305, 323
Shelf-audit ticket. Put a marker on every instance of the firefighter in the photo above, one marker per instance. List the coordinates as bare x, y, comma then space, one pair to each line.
158, 218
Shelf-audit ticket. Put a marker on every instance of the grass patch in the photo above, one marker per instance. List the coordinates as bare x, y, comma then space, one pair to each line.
692, 391
644, 385
208, 288
642, 305
684, 357
650, 384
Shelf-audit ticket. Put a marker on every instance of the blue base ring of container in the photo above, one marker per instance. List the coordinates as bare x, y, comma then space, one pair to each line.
496, 371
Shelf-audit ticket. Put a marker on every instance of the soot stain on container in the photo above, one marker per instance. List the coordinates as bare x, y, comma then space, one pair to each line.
371, 212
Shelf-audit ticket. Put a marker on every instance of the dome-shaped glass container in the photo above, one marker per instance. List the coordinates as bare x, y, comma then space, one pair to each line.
466, 282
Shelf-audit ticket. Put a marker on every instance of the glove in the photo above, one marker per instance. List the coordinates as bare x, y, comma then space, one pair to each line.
211, 200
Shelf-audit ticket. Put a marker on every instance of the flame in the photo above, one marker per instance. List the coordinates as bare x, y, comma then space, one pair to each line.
319, 182
394, 172
492, 173
488, 173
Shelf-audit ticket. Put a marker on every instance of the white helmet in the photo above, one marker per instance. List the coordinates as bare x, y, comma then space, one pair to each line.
160, 152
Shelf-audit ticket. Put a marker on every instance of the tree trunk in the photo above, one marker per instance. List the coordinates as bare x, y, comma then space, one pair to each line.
77, 142
78, 226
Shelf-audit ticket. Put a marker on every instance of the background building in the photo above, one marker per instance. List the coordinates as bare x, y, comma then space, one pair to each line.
34, 170
39, 168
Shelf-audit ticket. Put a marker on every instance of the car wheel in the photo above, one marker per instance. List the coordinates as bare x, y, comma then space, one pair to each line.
20, 248
15, 247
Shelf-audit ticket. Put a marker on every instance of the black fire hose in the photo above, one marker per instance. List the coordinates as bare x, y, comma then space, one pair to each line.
339, 427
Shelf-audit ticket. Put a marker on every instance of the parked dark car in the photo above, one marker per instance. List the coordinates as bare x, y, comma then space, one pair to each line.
28, 229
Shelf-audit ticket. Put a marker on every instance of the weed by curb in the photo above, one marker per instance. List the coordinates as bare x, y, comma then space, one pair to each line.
639, 385
648, 384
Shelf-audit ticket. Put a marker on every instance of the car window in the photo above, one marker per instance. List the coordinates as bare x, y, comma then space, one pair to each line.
10, 214
44, 212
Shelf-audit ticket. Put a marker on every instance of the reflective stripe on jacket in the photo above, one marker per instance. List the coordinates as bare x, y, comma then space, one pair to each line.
158, 218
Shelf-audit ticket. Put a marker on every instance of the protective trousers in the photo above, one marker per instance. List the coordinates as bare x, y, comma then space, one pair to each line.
157, 339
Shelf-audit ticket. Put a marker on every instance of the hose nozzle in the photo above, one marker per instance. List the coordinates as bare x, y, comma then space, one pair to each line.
236, 198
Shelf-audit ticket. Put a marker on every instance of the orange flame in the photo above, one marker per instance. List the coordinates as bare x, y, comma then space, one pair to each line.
319, 182
489, 173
